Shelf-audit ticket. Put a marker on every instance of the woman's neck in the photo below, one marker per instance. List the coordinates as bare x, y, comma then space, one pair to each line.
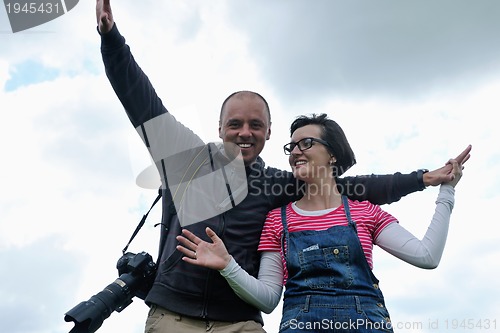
319, 195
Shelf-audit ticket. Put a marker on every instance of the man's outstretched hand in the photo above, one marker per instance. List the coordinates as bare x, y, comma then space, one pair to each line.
445, 174
104, 16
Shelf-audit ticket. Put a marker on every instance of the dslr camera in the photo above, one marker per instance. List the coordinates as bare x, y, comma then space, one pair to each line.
136, 276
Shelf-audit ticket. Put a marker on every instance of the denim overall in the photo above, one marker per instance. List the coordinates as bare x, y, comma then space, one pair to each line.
330, 286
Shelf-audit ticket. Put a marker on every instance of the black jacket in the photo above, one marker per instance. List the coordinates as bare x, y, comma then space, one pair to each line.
199, 292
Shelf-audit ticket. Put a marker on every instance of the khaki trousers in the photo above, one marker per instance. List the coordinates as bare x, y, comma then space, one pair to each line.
161, 320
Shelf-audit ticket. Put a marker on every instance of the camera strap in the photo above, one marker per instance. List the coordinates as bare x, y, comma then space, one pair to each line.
141, 223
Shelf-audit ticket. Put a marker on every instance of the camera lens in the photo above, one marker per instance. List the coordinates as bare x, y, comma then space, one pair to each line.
139, 273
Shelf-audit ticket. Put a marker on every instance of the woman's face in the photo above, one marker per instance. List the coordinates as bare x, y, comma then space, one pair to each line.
312, 163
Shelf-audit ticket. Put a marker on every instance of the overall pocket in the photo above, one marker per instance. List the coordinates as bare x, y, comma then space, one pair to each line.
326, 267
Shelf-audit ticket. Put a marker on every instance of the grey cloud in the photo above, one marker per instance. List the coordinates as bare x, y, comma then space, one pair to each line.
307, 48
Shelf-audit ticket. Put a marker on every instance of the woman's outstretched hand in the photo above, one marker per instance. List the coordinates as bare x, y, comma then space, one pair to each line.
447, 173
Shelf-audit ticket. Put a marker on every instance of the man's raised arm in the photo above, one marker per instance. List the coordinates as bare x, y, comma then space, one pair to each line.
385, 189
130, 83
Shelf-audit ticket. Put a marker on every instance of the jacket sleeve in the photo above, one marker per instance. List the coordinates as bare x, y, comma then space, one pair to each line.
129, 82
380, 189
157, 127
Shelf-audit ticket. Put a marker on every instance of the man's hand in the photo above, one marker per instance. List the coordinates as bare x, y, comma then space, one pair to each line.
446, 173
104, 16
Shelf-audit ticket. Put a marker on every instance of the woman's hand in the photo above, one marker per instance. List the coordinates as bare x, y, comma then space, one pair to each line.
199, 252
456, 172
446, 174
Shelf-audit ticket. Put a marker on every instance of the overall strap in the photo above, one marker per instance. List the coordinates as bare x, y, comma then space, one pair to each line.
284, 236
348, 212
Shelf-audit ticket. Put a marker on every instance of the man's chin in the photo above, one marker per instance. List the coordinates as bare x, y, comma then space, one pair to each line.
248, 159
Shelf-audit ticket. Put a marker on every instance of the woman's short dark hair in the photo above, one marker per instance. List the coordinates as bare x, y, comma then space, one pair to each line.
332, 133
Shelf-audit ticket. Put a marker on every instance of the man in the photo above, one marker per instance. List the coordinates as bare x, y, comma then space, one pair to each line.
186, 298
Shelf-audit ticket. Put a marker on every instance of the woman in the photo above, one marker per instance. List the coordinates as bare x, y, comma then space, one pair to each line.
320, 247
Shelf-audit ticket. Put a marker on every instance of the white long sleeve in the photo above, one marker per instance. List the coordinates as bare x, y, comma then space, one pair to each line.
425, 253
265, 292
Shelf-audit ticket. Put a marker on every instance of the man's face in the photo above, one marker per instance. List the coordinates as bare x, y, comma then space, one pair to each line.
245, 122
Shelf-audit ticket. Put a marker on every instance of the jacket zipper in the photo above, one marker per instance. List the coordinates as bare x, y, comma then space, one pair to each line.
220, 233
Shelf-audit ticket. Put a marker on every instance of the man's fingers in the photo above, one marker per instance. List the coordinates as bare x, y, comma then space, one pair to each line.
464, 156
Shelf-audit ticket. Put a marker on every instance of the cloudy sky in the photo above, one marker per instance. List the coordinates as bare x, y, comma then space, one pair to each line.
411, 83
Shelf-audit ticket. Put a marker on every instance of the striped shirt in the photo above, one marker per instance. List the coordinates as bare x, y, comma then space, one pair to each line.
370, 220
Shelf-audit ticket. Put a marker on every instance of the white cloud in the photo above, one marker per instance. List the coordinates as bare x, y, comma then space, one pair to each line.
69, 201
37, 278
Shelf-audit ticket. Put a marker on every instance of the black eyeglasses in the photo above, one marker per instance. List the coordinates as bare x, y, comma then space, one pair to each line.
303, 144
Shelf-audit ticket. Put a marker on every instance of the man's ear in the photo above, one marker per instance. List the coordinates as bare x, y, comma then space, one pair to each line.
268, 132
